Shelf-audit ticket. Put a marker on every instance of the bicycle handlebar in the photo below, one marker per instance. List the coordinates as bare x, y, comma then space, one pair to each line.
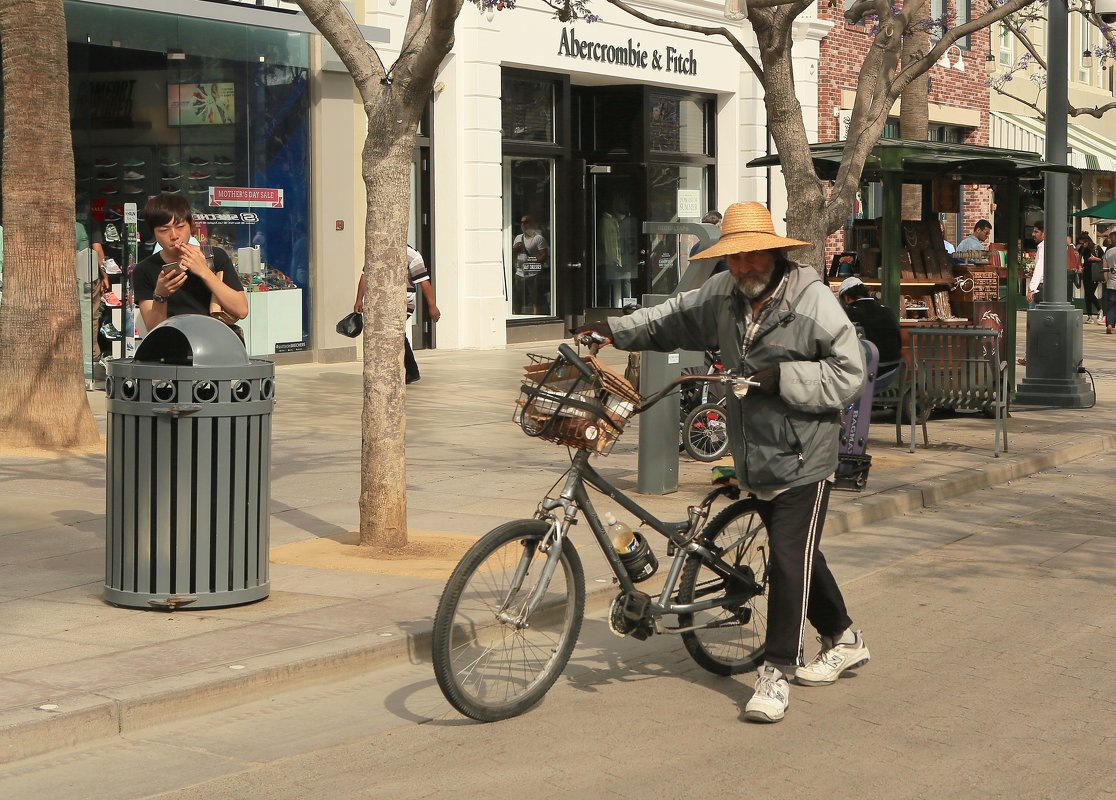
726, 378
568, 353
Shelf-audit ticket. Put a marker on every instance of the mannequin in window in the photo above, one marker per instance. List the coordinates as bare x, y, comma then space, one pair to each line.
618, 250
531, 254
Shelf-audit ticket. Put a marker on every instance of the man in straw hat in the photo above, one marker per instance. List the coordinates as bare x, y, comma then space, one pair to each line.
778, 323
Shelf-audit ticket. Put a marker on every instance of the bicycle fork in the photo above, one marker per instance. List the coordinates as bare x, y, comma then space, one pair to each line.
551, 544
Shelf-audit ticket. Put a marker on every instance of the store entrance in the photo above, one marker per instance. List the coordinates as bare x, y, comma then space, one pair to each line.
616, 254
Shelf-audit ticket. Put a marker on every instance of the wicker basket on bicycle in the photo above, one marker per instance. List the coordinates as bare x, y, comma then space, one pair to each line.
560, 404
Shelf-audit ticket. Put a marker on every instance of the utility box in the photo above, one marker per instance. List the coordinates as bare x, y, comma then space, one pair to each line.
660, 426
189, 470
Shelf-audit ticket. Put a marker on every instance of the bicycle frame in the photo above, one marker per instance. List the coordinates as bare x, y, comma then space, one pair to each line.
681, 535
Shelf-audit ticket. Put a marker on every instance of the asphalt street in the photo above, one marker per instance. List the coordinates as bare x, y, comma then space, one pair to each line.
990, 624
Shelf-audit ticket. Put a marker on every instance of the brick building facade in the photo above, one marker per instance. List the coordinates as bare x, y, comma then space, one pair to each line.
958, 105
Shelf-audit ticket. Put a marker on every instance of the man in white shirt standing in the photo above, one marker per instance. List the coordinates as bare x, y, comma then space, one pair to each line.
1034, 285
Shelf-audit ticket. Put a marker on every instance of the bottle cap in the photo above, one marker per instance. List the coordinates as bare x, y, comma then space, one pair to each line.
609, 518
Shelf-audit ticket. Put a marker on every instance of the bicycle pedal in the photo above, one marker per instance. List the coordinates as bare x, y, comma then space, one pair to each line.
636, 606
621, 624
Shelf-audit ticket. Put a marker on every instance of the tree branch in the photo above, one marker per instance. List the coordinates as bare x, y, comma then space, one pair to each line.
1025, 40
434, 38
1095, 111
1034, 106
339, 29
909, 72
737, 45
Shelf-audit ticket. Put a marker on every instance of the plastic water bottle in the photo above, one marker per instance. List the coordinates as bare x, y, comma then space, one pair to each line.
635, 554
623, 539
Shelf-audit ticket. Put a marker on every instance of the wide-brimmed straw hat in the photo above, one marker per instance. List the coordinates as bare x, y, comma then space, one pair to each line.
746, 228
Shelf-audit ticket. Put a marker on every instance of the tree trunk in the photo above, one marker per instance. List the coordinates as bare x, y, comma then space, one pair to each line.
394, 100
383, 496
42, 391
805, 220
914, 110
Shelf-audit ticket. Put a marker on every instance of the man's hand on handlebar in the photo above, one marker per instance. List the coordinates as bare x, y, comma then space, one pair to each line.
593, 335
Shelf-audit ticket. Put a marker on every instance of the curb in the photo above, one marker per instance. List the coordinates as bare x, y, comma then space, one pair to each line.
904, 499
82, 718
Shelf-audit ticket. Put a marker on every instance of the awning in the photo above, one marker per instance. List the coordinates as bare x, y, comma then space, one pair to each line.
1087, 150
1102, 211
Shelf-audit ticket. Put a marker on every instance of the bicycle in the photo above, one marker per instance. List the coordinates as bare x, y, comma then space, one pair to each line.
511, 612
704, 423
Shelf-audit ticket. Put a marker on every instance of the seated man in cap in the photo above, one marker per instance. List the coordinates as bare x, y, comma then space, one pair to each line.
778, 323
879, 323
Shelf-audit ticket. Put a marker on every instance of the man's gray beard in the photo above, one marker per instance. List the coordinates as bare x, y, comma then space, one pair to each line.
753, 287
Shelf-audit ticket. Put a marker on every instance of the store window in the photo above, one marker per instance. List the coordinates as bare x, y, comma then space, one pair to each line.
528, 110
678, 125
673, 186
1005, 46
215, 111
946, 133
529, 223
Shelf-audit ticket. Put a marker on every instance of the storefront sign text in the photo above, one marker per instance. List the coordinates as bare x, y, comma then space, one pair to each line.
245, 197
632, 54
228, 217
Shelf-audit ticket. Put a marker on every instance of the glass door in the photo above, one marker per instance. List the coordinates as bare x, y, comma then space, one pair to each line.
617, 256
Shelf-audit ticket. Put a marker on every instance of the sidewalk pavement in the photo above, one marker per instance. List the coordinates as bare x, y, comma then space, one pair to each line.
73, 668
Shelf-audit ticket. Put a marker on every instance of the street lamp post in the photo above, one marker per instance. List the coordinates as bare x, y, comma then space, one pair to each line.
1054, 328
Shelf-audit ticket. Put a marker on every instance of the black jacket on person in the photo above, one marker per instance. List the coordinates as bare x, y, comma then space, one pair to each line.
880, 325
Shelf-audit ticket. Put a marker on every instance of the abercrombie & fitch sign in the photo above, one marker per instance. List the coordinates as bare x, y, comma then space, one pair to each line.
670, 60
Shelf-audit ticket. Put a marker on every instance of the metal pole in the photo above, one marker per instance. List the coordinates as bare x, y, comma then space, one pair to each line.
1054, 328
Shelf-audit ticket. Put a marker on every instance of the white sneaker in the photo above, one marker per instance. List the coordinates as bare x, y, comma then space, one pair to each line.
832, 660
771, 698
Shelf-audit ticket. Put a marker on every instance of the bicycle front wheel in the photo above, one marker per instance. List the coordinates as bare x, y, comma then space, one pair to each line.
705, 432
728, 638
492, 660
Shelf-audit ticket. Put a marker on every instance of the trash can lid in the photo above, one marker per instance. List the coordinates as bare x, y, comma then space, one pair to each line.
192, 340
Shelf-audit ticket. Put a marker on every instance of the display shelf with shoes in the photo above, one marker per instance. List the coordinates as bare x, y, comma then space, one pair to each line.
223, 161
133, 162
198, 161
132, 175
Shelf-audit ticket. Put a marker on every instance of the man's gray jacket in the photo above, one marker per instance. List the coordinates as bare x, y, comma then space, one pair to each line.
777, 441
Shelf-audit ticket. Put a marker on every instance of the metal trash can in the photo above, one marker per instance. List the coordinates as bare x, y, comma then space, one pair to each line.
189, 470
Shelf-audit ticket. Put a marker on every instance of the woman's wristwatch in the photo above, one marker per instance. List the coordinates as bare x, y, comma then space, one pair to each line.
158, 298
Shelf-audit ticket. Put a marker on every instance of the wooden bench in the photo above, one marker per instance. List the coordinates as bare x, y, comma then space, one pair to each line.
954, 367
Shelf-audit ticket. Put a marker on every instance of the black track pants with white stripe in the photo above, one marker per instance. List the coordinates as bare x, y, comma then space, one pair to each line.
800, 585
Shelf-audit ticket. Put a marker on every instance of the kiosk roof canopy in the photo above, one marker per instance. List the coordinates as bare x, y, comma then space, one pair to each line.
967, 162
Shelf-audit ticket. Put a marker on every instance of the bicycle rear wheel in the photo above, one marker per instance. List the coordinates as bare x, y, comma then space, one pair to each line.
488, 665
705, 432
729, 638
